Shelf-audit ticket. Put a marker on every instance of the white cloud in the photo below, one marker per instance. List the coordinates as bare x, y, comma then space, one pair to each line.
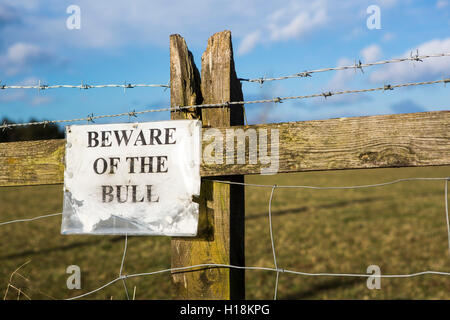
388, 36
388, 3
249, 42
19, 56
371, 53
107, 24
40, 99
294, 21
11, 96
342, 77
429, 69
20, 53
289, 22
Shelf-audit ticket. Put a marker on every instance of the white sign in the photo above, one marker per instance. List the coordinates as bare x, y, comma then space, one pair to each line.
132, 178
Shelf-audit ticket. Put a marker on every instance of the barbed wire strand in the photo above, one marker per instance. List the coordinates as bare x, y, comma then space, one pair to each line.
82, 86
260, 80
355, 66
91, 117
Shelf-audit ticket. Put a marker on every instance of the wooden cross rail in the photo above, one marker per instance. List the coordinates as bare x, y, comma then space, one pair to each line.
401, 140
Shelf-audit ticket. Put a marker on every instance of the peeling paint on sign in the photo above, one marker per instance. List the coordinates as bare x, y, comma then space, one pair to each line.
132, 178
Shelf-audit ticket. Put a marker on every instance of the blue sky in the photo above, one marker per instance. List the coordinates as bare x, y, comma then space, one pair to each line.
128, 41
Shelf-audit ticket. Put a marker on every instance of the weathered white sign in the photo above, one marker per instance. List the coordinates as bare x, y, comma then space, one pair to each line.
132, 178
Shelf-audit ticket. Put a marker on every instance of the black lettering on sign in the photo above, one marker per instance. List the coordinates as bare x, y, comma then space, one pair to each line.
134, 195
122, 137
122, 194
119, 198
169, 135
140, 138
118, 138
107, 192
105, 139
155, 137
104, 166
146, 164
113, 164
132, 159
92, 139
161, 162
150, 197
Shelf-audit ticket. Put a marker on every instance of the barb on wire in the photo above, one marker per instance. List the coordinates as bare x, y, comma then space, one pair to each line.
355, 66
358, 66
416, 57
91, 117
327, 94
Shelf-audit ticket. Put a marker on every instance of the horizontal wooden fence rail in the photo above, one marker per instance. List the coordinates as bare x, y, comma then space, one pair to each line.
402, 140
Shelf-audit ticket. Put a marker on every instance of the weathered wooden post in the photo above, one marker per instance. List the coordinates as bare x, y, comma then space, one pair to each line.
221, 225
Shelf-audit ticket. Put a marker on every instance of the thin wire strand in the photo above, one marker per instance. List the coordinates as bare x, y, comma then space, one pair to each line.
121, 266
331, 188
30, 219
275, 269
214, 265
270, 228
355, 66
92, 117
446, 213
260, 80
272, 241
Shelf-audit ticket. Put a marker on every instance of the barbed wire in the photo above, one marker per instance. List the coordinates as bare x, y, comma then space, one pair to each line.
83, 86
261, 80
355, 66
92, 117
122, 277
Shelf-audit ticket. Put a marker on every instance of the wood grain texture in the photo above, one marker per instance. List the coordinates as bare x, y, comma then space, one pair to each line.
32, 162
401, 140
184, 80
221, 206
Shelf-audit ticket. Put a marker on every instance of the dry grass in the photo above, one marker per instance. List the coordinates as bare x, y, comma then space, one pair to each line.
400, 227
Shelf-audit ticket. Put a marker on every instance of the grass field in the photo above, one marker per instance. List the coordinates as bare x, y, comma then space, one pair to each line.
401, 228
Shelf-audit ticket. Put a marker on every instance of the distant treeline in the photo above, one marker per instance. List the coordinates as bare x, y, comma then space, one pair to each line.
33, 132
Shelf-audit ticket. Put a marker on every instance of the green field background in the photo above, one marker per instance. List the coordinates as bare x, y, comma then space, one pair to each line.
401, 228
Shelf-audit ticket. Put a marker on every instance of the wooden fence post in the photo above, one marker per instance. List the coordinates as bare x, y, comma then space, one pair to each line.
221, 222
